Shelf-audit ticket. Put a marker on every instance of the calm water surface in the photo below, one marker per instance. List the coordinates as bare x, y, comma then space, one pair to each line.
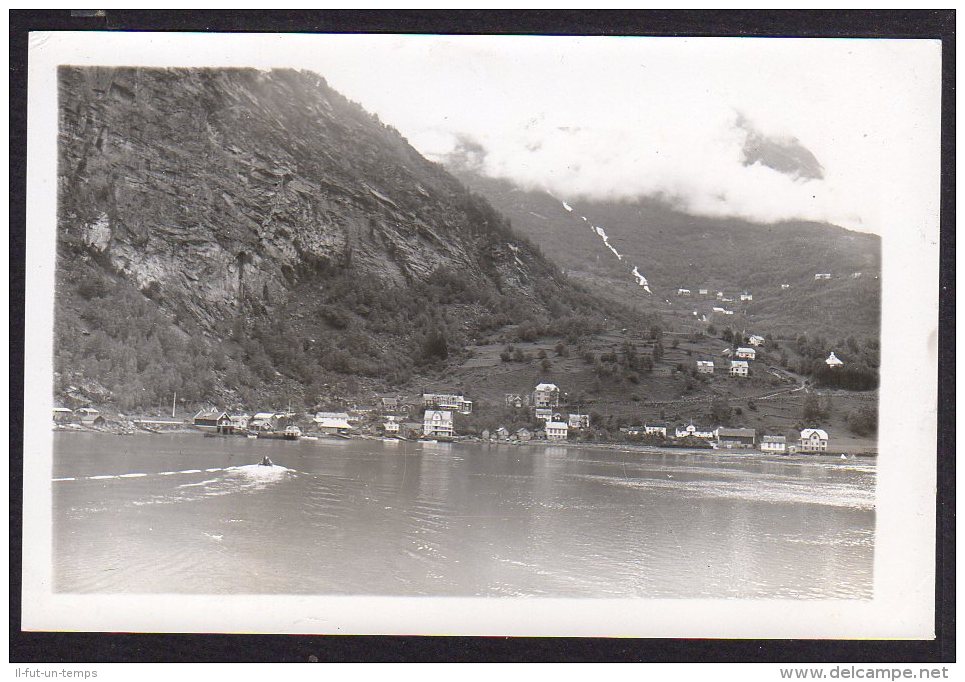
189, 514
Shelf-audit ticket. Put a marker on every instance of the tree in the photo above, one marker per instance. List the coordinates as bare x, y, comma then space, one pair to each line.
435, 347
541, 354
812, 408
545, 364
863, 420
505, 356
727, 335
711, 330
519, 355
560, 349
721, 411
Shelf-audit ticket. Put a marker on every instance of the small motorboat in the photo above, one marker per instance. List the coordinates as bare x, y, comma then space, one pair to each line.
266, 462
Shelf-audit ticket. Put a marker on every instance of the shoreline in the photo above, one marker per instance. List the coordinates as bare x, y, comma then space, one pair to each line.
613, 446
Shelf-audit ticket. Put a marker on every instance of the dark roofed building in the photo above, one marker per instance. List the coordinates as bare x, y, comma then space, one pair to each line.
735, 438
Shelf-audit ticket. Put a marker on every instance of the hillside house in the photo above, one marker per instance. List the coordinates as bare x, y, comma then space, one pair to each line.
691, 431
833, 362
239, 422
332, 425
705, 366
683, 292
263, 421
62, 415
747, 297
756, 340
822, 276
502, 433
745, 353
332, 415
735, 438
739, 368
717, 309
390, 403
720, 296
515, 400
728, 312
774, 444
702, 292
437, 423
484, 434
578, 421
813, 440
213, 420
447, 401
556, 430
544, 413
655, 429
855, 275
391, 428
524, 434
546, 395
785, 287
90, 417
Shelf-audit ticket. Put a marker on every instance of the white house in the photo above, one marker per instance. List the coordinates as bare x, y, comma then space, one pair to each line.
524, 434
544, 413
773, 444
62, 414
705, 366
738, 368
514, 400
240, 421
755, 340
720, 295
718, 309
263, 421
747, 297
822, 275
691, 431
814, 440
391, 426
556, 430
702, 292
785, 287
578, 421
447, 401
683, 292
437, 423
833, 361
546, 395
655, 429
502, 433
332, 424
745, 353
728, 312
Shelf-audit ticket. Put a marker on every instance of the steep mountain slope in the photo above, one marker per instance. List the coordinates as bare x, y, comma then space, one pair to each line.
671, 249
227, 233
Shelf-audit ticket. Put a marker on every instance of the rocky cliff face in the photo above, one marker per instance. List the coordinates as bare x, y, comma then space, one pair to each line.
222, 189
237, 234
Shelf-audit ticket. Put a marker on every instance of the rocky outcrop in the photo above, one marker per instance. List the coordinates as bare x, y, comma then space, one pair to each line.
217, 190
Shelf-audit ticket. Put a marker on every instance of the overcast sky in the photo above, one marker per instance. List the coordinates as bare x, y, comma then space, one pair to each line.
625, 117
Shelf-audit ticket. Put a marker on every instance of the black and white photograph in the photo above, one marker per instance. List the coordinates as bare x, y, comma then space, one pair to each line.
623, 326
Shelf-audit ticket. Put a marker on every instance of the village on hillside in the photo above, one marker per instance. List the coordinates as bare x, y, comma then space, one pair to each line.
545, 413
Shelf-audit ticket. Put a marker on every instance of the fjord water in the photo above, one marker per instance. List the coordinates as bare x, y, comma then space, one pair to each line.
188, 514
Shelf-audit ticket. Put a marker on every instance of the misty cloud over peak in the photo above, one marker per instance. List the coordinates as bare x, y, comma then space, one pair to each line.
785, 155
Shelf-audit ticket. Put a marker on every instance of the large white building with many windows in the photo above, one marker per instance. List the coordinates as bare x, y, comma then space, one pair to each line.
437, 423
